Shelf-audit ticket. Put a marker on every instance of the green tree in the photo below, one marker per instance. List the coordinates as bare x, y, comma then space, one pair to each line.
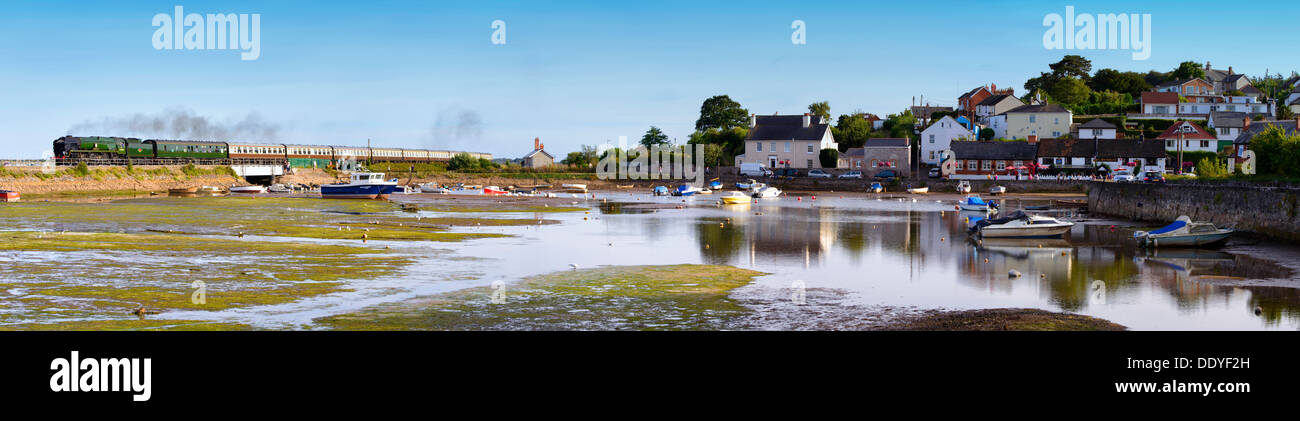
851, 132
1072, 66
1132, 83
577, 159
1284, 113
1188, 70
721, 112
1154, 78
1211, 168
987, 133
462, 162
821, 109
1276, 153
829, 157
653, 137
1070, 90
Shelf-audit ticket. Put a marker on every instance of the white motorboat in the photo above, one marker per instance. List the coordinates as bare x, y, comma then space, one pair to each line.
1184, 233
963, 187
996, 190
1020, 225
919, 190
361, 186
247, 189
766, 192
433, 188
735, 198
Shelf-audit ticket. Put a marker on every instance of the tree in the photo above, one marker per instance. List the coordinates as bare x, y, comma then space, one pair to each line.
1154, 78
1284, 113
462, 162
987, 133
821, 109
1276, 153
577, 159
851, 132
653, 137
1072, 66
1070, 91
1188, 70
1132, 83
712, 155
721, 112
829, 157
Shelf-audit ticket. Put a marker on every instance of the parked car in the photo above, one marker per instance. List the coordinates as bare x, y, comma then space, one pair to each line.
818, 174
1153, 177
886, 175
1123, 177
852, 174
934, 172
785, 172
754, 170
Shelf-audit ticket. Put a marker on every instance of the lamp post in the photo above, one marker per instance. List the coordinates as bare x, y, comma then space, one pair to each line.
1180, 151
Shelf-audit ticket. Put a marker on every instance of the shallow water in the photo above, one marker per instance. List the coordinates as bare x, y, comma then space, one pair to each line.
858, 258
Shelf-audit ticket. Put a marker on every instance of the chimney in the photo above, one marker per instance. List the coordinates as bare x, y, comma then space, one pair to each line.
1033, 138
1207, 65
753, 120
537, 143
1229, 69
1246, 124
807, 119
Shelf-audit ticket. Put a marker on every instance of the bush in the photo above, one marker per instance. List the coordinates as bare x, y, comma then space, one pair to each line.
829, 157
1211, 168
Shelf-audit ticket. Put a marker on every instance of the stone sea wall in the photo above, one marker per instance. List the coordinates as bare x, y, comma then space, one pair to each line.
1268, 210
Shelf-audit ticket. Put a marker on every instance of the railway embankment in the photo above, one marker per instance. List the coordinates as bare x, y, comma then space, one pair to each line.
1268, 210
37, 182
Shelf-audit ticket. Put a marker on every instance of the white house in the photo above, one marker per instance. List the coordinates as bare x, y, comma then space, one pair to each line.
1191, 137
1097, 129
793, 141
936, 138
994, 105
1228, 125
999, 125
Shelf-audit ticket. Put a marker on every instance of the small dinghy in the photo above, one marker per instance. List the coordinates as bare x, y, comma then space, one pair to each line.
877, 188
735, 198
997, 190
9, 196
975, 203
661, 191
715, 185
963, 187
748, 185
279, 188
1184, 233
433, 188
919, 190
686, 190
1020, 225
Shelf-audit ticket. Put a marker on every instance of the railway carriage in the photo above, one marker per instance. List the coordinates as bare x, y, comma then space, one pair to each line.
257, 151
188, 149
416, 155
310, 156
386, 155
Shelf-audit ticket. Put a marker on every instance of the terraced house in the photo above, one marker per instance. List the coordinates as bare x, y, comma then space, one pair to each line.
1041, 120
792, 141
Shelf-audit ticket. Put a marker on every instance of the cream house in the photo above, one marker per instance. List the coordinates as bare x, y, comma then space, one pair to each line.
779, 141
1042, 120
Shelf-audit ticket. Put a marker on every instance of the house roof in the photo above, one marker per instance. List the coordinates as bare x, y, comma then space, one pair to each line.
886, 142
1251, 89
537, 151
1257, 127
1130, 148
1159, 98
1233, 77
1097, 123
1231, 119
854, 152
995, 99
1017, 150
925, 111
1175, 131
1071, 148
1038, 108
786, 127
1295, 101
971, 92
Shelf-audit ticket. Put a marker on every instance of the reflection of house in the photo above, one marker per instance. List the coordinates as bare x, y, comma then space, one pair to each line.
935, 139
1193, 138
981, 159
538, 158
879, 153
787, 140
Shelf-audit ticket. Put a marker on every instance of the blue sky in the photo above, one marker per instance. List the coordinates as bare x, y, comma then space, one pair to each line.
425, 74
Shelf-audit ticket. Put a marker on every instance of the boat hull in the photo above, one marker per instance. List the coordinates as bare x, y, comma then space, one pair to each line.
9, 196
735, 200
357, 191
1190, 240
1051, 231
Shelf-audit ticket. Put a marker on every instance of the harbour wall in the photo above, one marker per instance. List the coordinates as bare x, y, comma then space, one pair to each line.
1269, 210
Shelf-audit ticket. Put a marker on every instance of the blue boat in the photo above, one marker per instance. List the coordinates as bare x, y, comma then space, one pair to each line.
877, 188
715, 185
975, 203
363, 186
661, 191
686, 190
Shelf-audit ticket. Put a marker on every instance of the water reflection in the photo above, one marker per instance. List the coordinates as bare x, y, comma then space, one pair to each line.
886, 246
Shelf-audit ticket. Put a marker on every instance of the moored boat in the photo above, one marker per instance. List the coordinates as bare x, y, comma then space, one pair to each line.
766, 192
997, 190
183, 190
877, 188
963, 187
1020, 225
686, 190
494, 190
975, 203
919, 190
1069, 203
735, 198
1184, 233
9, 196
660, 191
247, 189
362, 186
279, 188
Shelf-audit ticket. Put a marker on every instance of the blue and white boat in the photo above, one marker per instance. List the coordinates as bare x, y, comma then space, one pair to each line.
715, 185
686, 190
1184, 233
975, 203
364, 185
877, 188
661, 191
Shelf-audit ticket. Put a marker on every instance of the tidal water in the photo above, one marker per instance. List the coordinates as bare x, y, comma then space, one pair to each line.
914, 254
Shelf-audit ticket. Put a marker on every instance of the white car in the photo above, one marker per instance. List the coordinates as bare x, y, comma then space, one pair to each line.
1123, 177
818, 174
754, 170
852, 174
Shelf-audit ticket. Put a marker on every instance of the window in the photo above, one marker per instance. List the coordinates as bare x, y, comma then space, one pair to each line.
931, 138
1096, 132
810, 148
1205, 143
1056, 134
986, 165
771, 146
931, 154
1169, 143
1017, 163
1002, 165
810, 164
759, 146
959, 165
1033, 118
787, 146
